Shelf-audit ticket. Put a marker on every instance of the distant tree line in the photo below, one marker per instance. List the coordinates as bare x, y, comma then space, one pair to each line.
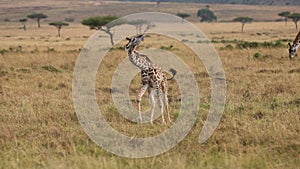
106, 23
248, 2
102, 23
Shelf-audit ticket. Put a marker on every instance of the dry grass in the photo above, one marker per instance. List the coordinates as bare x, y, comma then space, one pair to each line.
39, 128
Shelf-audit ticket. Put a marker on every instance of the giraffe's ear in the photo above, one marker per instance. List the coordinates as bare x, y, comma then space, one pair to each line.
289, 44
128, 38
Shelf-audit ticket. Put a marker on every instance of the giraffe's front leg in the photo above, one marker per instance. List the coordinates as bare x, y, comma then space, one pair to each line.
166, 101
161, 105
139, 99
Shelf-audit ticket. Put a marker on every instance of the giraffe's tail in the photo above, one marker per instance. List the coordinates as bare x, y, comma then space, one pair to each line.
174, 72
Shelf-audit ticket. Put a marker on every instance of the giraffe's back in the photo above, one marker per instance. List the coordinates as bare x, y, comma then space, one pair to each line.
153, 76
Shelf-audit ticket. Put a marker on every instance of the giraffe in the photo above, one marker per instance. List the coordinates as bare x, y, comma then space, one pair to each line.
294, 47
153, 78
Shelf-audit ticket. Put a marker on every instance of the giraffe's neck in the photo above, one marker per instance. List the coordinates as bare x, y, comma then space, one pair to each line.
140, 61
296, 42
297, 39
296, 45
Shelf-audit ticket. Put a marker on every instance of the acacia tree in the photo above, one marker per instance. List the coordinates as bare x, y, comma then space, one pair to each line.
58, 25
206, 15
285, 14
37, 17
138, 24
23, 21
295, 17
243, 20
183, 16
103, 23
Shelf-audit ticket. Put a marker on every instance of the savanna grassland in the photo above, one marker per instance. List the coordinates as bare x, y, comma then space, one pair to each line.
260, 127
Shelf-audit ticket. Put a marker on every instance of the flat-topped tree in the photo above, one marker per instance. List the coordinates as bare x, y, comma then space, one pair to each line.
58, 25
243, 20
183, 16
138, 24
23, 21
295, 17
285, 14
37, 17
103, 23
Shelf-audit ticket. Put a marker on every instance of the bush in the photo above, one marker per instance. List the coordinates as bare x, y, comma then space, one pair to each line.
3, 73
227, 47
15, 49
3, 51
51, 69
176, 114
166, 47
50, 49
274, 104
257, 55
248, 45
118, 48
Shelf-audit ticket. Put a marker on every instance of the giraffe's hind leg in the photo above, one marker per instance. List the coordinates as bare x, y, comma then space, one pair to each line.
139, 99
165, 95
167, 106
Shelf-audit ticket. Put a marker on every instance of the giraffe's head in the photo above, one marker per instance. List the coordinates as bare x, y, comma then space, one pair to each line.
292, 50
134, 41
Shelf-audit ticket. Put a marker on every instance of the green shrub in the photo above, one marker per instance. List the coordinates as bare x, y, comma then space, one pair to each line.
118, 48
3, 51
3, 73
15, 49
249, 45
50, 49
257, 55
176, 114
246, 45
51, 69
274, 104
166, 47
227, 47
23, 70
